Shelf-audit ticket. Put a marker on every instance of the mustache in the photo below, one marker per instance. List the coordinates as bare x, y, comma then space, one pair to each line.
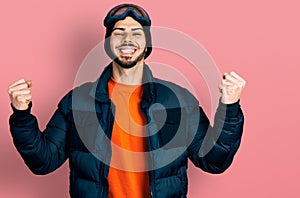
127, 45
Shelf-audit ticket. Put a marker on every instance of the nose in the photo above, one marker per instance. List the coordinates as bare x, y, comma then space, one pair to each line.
127, 37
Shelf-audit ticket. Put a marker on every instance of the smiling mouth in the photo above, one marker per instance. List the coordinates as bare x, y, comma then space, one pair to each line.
127, 50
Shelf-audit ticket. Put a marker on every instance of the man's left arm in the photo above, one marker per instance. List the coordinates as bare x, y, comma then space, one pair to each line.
213, 148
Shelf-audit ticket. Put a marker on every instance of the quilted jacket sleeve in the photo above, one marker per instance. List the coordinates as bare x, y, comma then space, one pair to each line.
43, 152
213, 148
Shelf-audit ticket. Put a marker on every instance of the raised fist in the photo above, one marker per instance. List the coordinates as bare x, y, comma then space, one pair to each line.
20, 94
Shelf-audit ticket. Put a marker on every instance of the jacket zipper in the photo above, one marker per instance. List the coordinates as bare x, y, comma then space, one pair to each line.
151, 172
106, 167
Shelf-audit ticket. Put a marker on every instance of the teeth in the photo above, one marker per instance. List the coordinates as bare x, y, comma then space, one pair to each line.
127, 51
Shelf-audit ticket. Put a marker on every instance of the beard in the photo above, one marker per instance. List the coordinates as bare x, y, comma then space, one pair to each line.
129, 64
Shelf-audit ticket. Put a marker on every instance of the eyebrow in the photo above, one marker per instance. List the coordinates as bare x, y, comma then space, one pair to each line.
132, 29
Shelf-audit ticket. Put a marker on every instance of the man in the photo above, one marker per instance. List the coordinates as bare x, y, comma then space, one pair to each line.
121, 107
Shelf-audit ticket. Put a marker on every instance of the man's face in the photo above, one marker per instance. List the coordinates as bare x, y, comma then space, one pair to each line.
128, 42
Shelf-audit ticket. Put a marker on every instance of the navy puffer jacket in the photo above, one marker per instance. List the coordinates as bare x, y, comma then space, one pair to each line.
177, 130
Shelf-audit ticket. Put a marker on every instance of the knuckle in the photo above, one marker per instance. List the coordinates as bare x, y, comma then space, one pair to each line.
14, 94
9, 91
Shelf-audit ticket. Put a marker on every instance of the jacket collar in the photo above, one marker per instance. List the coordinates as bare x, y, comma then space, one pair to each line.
99, 90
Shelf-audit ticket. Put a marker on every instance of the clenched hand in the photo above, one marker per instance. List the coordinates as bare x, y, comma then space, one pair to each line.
231, 87
20, 94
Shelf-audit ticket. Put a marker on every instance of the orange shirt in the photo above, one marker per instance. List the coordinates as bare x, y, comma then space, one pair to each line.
127, 177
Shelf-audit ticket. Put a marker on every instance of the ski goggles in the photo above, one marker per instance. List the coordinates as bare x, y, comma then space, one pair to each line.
120, 12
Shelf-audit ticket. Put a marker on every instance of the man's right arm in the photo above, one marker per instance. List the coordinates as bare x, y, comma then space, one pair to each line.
43, 152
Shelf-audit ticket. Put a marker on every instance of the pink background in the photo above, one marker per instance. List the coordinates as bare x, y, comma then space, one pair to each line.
45, 41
